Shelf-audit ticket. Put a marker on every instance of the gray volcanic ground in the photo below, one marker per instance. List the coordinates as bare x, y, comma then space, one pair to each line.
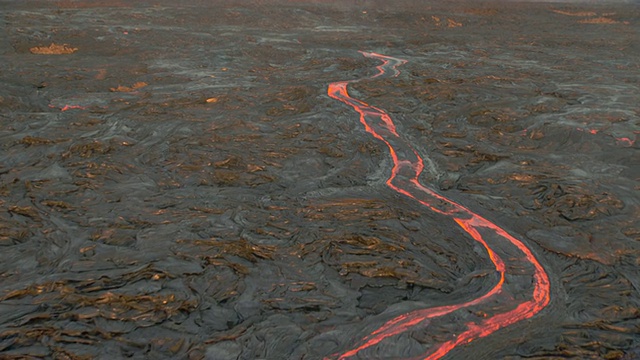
176, 183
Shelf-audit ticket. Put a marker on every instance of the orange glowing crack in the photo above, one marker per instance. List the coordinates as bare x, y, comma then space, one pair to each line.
619, 140
407, 167
70, 107
626, 140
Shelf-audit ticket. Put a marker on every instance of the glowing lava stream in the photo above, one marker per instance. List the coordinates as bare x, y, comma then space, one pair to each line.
511, 257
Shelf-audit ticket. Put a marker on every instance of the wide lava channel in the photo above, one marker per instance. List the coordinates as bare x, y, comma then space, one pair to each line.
495, 309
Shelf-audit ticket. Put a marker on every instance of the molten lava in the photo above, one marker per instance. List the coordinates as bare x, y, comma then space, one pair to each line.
506, 252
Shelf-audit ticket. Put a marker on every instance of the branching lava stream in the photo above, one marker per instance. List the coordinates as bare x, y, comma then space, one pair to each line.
506, 252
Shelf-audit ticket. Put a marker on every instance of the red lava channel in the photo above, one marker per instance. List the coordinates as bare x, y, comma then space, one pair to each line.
510, 256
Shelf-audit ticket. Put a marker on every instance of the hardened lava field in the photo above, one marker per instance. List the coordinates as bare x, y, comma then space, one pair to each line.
177, 182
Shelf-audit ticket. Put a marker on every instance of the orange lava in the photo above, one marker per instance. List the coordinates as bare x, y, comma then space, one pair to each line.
71, 107
407, 167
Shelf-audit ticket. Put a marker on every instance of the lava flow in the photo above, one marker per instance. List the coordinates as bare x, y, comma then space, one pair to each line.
511, 258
